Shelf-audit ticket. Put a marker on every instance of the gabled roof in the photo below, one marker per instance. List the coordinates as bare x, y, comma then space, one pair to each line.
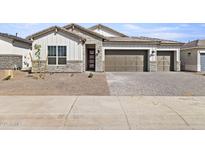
15, 38
123, 38
55, 28
194, 44
100, 26
72, 26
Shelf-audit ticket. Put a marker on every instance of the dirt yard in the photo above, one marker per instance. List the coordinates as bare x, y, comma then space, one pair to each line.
54, 84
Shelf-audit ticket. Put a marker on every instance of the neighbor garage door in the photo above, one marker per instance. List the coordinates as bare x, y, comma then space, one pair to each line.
165, 61
203, 62
125, 60
10, 61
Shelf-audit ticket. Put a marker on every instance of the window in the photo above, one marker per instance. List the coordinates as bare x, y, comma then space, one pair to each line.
61, 55
57, 55
52, 55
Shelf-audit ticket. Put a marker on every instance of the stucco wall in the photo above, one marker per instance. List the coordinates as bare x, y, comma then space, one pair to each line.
189, 59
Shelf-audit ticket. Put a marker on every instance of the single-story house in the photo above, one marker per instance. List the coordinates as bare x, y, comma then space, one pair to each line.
193, 56
14, 52
73, 48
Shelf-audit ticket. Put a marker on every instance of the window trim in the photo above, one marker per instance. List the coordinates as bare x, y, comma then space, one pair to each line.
56, 57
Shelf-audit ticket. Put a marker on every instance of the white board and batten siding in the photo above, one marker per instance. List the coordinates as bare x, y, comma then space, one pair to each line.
74, 47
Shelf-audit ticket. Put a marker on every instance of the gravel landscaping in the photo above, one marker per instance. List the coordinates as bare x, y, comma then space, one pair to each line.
54, 84
105, 84
156, 84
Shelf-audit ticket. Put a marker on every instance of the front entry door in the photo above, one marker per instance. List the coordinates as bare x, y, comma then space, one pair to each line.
91, 60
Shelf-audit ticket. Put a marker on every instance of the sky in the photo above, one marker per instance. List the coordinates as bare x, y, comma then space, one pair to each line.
182, 32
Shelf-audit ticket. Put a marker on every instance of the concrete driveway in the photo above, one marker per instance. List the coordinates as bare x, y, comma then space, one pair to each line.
156, 84
101, 112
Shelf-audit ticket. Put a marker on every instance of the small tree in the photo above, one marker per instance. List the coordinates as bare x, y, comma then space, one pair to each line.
38, 54
38, 58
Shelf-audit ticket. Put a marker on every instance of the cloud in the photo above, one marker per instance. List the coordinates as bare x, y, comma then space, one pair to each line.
202, 25
184, 25
168, 35
151, 29
25, 29
164, 32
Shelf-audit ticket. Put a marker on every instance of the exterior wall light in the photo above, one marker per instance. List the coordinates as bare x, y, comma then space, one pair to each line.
153, 52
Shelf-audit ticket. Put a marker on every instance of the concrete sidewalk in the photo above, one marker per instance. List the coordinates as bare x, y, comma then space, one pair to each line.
101, 112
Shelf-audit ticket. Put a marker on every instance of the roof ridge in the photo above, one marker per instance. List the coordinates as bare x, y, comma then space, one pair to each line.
85, 29
29, 36
51, 28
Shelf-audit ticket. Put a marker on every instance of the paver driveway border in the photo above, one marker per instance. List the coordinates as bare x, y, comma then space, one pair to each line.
102, 112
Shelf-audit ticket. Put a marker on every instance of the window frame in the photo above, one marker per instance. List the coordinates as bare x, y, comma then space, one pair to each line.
57, 55
52, 56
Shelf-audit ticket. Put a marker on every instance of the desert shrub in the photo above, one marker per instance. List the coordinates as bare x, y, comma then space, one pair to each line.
90, 75
7, 78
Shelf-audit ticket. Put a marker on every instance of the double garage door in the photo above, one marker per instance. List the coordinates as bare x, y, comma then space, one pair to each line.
10, 61
125, 60
136, 61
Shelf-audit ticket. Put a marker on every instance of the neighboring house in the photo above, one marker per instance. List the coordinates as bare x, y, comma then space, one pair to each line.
14, 52
193, 56
73, 48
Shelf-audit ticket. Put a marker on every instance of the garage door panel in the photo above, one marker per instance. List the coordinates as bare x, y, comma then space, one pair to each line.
119, 68
166, 68
125, 61
130, 68
160, 68
165, 61
140, 68
130, 60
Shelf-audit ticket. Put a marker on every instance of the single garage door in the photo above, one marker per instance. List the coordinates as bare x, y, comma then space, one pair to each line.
125, 60
203, 62
165, 61
10, 61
